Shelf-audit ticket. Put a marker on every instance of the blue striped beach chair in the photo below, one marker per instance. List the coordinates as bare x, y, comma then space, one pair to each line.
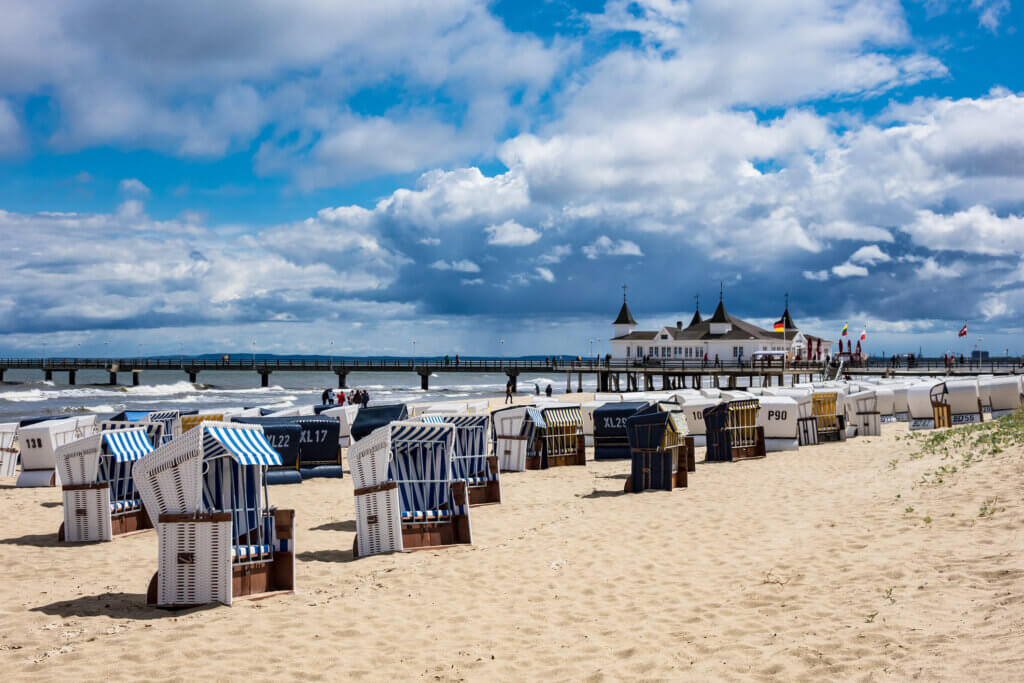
99, 495
405, 496
470, 462
220, 539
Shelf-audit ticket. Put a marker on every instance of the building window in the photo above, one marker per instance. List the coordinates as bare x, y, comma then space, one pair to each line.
678, 351
627, 351
654, 351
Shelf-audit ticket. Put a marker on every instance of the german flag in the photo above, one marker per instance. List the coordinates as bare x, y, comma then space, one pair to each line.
780, 325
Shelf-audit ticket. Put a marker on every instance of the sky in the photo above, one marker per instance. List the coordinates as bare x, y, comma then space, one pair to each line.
482, 178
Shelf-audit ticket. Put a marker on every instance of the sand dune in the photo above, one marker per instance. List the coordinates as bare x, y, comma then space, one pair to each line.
809, 565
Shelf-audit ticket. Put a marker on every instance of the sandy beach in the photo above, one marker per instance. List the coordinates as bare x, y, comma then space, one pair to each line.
852, 561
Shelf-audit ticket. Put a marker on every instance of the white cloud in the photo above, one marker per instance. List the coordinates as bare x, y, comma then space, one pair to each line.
869, 255
460, 266
555, 254
511, 234
977, 230
472, 282
605, 246
430, 241
995, 306
202, 79
545, 274
133, 186
990, 12
816, 275
848, 269
930, 269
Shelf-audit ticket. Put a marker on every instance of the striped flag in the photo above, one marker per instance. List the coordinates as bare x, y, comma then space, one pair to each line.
864, 334
780, 325
963, 330
844, 329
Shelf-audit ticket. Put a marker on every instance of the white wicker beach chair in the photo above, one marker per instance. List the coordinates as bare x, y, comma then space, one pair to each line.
405, 497
100, 500
219, 539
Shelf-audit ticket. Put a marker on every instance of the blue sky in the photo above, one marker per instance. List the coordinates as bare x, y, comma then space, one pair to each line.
203, 177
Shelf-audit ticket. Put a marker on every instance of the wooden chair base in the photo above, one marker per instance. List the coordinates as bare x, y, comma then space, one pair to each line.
488, 494
248, 582
123, 525
430, 535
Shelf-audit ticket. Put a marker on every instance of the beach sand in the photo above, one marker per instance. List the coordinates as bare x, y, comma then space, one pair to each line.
802, 566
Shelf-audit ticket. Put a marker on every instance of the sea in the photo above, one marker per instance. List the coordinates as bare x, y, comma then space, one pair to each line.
25, 393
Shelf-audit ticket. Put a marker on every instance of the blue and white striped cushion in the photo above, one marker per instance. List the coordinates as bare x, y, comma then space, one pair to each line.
245, 552
425, 515
125, 505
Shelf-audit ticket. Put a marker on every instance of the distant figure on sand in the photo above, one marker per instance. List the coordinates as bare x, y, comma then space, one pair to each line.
536, 389
508, 392
327, 397
548, 390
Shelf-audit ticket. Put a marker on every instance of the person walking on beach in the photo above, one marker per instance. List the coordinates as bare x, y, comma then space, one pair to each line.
536, 389
326, 397
366, 398
508, 392
341, 398
548, 390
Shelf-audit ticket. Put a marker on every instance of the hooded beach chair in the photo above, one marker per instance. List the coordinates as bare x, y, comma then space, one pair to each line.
610, 439
470, 461
100, 499
956, 403
660, 454
733, 432
868, 419
9, 455
511, 436
920, 406
828, 412
778, 417
405, 496
38, 444
557, 438
1005, 395
219, 538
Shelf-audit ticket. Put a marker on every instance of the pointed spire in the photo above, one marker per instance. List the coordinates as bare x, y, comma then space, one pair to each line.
625, 317
720, 315
787, 320
696, 313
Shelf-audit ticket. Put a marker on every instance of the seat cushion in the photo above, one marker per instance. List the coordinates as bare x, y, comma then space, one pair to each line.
248, 552
125, 506
425, 515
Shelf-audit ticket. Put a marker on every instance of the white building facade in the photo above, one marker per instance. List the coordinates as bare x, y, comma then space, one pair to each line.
722, 336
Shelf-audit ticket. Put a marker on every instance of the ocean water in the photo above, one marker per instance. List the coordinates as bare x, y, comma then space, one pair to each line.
24, 393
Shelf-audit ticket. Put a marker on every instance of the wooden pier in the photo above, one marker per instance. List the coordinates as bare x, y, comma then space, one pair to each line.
614, 375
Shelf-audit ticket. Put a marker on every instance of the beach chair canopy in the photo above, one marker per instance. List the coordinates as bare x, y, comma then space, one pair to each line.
126, 445
562, 417
370, 418
282, 433
244, 446
535, 418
